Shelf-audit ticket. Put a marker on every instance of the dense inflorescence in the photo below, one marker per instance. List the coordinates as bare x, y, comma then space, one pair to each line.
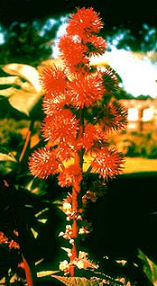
80, 112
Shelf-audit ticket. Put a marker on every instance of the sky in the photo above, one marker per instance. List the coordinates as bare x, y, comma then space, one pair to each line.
138, 74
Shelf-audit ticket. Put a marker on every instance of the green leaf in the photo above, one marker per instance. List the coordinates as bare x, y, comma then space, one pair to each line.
7, 167
149, 267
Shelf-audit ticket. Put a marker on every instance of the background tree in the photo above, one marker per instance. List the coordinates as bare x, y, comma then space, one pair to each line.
28, 42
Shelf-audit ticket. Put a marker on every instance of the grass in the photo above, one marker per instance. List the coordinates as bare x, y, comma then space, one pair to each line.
135, 165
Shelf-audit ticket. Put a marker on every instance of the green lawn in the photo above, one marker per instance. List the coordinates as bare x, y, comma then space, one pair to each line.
134, 165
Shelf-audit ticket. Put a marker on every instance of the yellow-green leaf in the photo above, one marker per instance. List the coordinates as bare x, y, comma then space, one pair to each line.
45, 273
35, 233
8, 91
6, 157
24, 101
25, 71
9, 80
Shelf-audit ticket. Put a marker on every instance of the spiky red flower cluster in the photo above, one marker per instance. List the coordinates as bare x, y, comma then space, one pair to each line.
96, 45
53, 80
84, 90
61, 127
107, 163
73, 52
84, 23
81, 40
115, 117
43, 163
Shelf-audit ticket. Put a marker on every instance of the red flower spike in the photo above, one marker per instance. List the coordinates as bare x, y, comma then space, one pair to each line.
72, 52
43, 163
85, 90
84, 23
71, 176
108, 163
53, 80
60, 128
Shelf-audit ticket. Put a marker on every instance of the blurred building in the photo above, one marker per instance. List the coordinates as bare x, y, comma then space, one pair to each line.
142, 114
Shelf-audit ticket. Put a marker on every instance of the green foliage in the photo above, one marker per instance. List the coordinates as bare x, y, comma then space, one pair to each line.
134, 144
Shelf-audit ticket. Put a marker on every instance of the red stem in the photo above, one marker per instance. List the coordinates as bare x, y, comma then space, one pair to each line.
25, 145
74, 231
28, 272
29, 276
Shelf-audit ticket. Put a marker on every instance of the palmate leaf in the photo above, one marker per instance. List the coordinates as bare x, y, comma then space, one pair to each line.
81, 281
27, 95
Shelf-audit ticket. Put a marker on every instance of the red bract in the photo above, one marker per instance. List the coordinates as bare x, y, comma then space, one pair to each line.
43, 163
60, 128
84, 23
85, 90
73, 52
71, 176
53, 80
108, 163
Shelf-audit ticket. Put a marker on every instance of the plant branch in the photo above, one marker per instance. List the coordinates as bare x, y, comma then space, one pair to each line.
28, 136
